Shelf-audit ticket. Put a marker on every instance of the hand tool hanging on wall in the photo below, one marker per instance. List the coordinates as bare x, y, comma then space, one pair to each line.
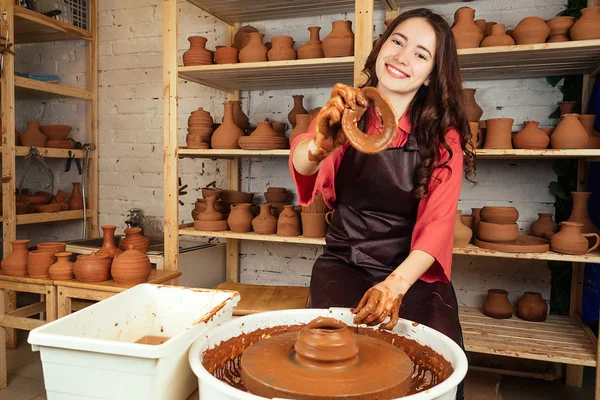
35, 155
78, 146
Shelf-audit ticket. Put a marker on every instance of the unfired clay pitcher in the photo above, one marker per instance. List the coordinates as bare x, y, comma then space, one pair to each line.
15, 264
544, 227
462, 234
109, 248
579, 213
197, 54
227, 135
498, 133
314, 47
134, 237
466, 33
588, 26
531, 137
473, 110
131, 268
570, 240
531, 30
265, 222
282, 48
340, 41
297, 109
569, 133
532, 307
288, 223
498, 37
497, 305
255, 51
240, 218
62, 270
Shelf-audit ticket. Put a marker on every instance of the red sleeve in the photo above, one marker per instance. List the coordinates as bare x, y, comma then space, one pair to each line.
436, 216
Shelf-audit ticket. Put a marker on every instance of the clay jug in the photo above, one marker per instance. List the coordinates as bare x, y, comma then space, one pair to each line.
497, 305
209, 213
498, 133
227, 135
297, 109
109, 248
532, 307
282, 48
302, 123
472, 109
197, 54
62, 270
39, 262
33, 136
588, 26
76, 201
240, 119
314, 47
135, 238
498, 37
587, 120
579, 213
569, 133
226, 55
466, 33
255, 50
265, 223
570, 239
462, 234
531, 30
241, 38
288, 223
15, 264
559, 28
566, 107
240, 218
544, 227
531, 137
131, 268
340, 41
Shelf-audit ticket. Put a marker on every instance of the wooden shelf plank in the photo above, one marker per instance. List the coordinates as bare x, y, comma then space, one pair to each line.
213, 153
26, 89
38, 218
32, 27
190, 231
156, 276
22, 151
261, 298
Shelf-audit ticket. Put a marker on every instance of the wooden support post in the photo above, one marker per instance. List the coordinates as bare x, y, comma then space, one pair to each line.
363, 38
92, 118
3, 372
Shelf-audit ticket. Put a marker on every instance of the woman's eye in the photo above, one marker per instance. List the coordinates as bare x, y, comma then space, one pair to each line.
396, 42
421, 56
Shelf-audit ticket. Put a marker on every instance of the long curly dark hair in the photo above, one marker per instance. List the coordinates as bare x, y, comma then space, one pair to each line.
436, 107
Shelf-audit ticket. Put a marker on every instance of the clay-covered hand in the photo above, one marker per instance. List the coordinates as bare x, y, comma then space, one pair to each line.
379, 302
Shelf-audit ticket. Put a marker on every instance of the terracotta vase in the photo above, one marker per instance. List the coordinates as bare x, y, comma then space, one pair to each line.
297, 109
531, 137
588, 26
497, 305
288, 223
466, 33
314, 225
559, 29
76, 200
570, 239
197, 54
531, 30
282, 48
314, 47
209, 213
265, 222
587, 120
579, 213
39, 262
227, 135
134, 237
109, 248
132, 267
90, 268
340, 41
498, 133
544, 227
532, 307
33, 136
566, 107
569, 133
240, 218
240, 119
15, 264
302, 123
474, 112
498, 37
255, 50
462, 234
62, 270
226, 55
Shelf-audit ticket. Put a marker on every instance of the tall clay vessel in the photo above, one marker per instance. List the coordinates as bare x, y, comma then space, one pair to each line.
588, 26
76, 200
462, 233
197, 54
569, 133
255, 50
227, 135
314, 47
109, 248
570, 239
532, 307
474, 112
297, 109
15, 264
497, 305
579, 213
531, 137
465, 31
340, 41
134, 237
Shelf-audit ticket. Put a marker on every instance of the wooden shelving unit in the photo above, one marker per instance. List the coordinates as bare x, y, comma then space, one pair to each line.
213, 153
33, 27
47, 152
39, 218
30, 89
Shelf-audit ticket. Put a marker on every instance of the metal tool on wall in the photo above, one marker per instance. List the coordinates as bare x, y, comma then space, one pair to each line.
35, 155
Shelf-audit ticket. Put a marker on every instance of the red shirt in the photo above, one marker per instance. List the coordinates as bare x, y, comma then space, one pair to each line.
433, 232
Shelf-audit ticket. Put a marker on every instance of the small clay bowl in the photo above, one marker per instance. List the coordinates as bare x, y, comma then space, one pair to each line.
276, 190
48, 208
60, 144
56, 132
35, 199
274, 197
497, 233
499, 215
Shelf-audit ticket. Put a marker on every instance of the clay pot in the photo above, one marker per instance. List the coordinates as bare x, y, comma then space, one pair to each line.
255, 51
62, 270
498, 37
54, 247
131, 268
15, 264
302, 123
566, 107
544, 227
210, 214
109, 248
90, 268
38, 263
532, 307
242, 38
240, 218
497, 233
587, 120
579, 213
314, 225
569, 133
498, 133
197, 54
282, 48
56, 132
340, 41
466, 33
497, 305
499, 214
570, 239
474, 112
226, 55
240, 119
288, 223
33, 136
76, 200
462, 234
227, 135
559, 29
588, 26
531, 137
134, 237
314, 47
531, 30
265, 223
297, 109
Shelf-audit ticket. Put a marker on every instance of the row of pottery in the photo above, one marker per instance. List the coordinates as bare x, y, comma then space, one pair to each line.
53, 136
45, 202
530, 307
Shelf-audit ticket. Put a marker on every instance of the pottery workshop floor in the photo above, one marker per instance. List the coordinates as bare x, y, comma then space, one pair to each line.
26, 382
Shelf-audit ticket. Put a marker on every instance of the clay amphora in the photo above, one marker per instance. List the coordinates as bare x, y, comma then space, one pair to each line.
462, 234
33, 136
226, 55
109, 248
240, 218
197, 54
498, 133
62, 270
473, 110
76, 200
559, 28
282, 48
579, 213
241, 38
340, 41
134, 237
566, 107
39, 262
131, 268
569, 133
531, 30
227, 135
92, 268
210, 214
265, 223
15, 264
497, 305
255, 51
297, 109
302, 123
544, 227
587, 120
314, 47
240, 119
532, 307
498, 37
588, 26
466, 33
570, 239
531, 137
288, 223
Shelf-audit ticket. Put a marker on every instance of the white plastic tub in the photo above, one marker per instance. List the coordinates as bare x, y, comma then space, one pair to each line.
91, 354
211, 388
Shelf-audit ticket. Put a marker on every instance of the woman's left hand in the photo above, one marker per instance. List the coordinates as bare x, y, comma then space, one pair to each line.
379, 302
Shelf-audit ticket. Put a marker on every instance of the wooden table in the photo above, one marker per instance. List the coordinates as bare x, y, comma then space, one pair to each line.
259, 298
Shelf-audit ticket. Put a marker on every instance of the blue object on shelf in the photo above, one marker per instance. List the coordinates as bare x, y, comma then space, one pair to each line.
39, 77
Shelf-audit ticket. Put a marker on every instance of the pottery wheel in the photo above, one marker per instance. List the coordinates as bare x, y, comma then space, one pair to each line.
326, 360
